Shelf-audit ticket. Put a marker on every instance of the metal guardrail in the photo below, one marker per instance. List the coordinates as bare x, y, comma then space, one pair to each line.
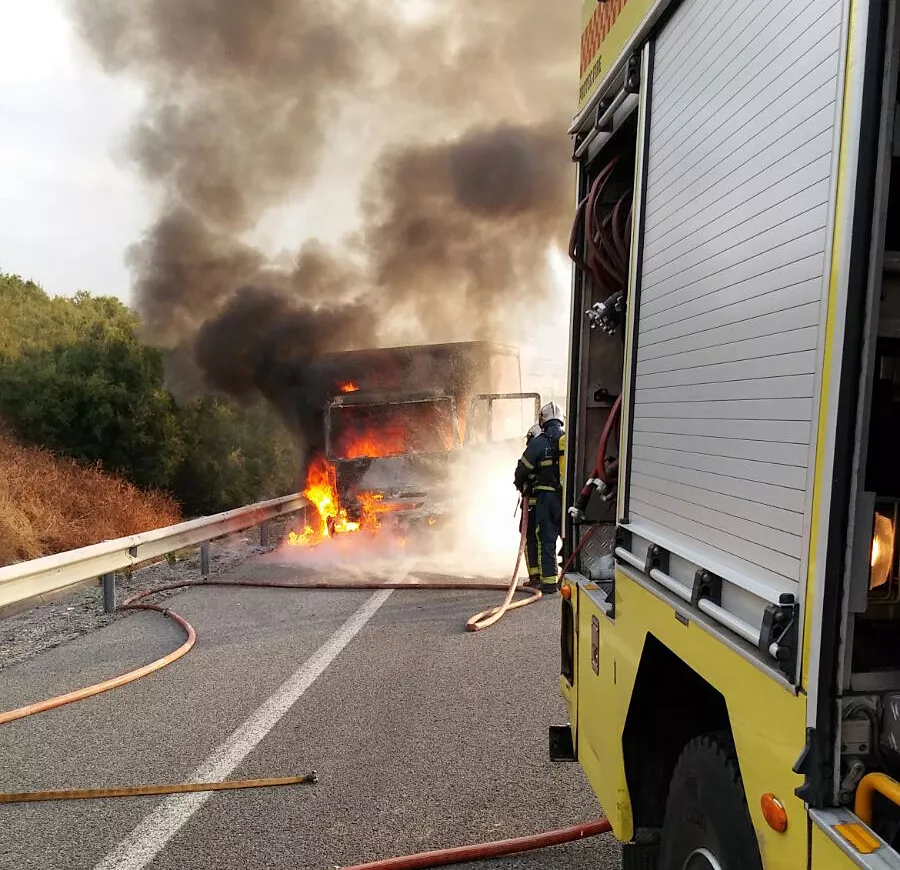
30, 580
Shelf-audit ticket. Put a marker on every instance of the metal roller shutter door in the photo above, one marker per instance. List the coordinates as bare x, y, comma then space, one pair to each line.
736, 241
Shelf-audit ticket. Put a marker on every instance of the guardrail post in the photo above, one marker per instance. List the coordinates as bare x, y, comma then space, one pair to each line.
264, 534
204, 559
108, 581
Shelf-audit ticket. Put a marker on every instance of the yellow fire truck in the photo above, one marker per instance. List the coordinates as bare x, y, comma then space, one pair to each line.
731, 599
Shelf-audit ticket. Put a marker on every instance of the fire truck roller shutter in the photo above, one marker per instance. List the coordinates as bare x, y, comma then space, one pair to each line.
732, 279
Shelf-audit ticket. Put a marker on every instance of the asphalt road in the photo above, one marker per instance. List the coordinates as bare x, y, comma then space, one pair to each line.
423, 735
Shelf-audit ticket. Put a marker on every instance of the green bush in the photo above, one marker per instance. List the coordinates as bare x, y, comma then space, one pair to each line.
233, 457
75, 377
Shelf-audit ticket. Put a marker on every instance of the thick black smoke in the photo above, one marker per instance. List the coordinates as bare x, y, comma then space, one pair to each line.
456, 232
471, 186
271, 343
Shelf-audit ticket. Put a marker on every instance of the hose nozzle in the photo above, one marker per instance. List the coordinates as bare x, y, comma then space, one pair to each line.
609, 314
595, 484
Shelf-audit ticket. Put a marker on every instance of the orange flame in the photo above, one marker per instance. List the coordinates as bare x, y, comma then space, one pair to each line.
322, 494
331, 518
356, 435
386, 442
390, 431
349, 387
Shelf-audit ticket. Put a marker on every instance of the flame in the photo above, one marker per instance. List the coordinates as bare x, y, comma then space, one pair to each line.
349, 387
364, 434
331, 518
371, 443
390, 430
369, 504
322, 494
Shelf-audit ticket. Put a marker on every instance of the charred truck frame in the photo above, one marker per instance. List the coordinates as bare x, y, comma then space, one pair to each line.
400, 417
733, 685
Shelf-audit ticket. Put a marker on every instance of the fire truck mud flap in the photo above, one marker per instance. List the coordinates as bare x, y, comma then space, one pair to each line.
561, 745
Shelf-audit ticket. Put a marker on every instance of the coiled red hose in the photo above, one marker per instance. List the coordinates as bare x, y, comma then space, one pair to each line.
599, 242
606, 473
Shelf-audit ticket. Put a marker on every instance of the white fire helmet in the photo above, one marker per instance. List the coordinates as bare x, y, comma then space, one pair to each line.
533, 432
551, 411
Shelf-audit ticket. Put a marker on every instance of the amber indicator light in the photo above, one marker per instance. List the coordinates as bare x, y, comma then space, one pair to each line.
774, 812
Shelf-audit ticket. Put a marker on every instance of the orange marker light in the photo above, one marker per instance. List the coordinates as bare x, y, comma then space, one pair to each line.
566, 591
774, 812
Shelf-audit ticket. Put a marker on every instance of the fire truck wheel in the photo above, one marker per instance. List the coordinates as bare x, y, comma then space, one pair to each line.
707, 825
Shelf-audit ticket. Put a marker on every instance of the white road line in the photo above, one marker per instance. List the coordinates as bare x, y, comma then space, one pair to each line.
152, 834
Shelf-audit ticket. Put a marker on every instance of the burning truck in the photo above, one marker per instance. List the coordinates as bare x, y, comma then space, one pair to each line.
400, 421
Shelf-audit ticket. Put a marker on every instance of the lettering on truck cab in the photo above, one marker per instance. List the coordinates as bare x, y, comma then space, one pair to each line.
600, 21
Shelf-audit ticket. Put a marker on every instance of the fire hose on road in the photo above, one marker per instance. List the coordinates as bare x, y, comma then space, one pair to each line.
191, 635
476, 623
599, 248
495, 849
436, 858
487, 618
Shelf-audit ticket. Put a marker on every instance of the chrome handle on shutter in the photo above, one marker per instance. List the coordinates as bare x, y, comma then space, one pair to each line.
739, 626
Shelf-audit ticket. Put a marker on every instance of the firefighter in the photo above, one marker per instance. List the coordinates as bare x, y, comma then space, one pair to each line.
531, 544
538, 476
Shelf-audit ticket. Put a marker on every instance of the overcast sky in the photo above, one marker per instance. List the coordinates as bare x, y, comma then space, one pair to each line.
70, 202
69, 206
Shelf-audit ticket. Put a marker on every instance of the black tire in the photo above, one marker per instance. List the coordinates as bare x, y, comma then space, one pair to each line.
707, 825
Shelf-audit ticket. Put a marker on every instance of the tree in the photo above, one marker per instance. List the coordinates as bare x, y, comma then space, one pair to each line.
100, 400
75, 377
233, 457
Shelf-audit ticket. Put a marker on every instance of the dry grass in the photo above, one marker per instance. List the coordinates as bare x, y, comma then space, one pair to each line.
49, 504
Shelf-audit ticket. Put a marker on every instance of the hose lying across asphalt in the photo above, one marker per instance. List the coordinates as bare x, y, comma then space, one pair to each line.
476, 623
440, 857
74, 794
495, 849
121, 679
191, 639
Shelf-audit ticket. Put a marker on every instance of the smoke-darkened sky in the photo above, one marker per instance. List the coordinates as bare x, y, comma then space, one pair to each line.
466, 184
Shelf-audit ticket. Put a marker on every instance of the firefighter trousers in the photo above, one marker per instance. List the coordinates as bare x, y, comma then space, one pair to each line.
548, 528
